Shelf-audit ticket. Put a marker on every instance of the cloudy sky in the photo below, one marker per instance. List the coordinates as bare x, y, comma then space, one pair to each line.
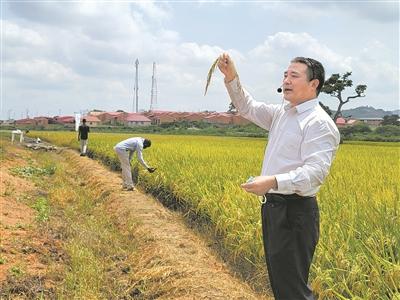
61, 57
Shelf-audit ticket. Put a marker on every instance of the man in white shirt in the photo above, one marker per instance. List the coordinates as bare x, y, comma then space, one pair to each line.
125, 151
302, 143
14, 133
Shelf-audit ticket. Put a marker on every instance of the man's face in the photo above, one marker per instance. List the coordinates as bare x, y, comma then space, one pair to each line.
296, 87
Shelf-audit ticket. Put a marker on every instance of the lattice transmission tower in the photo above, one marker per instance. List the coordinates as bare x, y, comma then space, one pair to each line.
153, 102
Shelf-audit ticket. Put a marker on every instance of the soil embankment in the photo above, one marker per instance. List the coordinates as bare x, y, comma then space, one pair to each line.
169, 260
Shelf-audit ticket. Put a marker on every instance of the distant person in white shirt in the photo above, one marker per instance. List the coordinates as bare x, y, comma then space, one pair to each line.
302, 143
125, 151
14, 133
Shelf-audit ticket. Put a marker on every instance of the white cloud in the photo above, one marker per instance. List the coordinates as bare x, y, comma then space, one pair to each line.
380, 11
40, 70
169, 35
153, 11
16, 35
286, 45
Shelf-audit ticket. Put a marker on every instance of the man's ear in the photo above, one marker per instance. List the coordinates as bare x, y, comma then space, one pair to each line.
315, 83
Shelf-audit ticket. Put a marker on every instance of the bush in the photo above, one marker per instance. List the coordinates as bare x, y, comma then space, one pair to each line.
388, 130
362, 128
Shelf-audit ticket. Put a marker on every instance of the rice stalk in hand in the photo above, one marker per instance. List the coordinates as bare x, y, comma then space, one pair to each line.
210, 72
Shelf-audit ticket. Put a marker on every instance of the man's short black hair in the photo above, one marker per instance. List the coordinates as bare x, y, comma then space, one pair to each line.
84, 120
146, 143
315, 70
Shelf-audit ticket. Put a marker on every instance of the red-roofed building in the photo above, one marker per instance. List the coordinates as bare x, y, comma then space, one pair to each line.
352, 122
239, 120
135, 119
226, 119
25, 122
158, 112
162, 117
95, 113
220, 118
41, 121
113, 118
371, 121
92, 121
65, 120
158, 117
340, 122
195, 117
37, 121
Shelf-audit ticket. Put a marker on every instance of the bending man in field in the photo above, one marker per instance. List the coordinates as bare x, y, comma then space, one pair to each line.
302, 143
125, 151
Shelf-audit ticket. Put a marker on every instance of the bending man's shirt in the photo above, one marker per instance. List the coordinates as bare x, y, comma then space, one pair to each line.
132, 145
302, 140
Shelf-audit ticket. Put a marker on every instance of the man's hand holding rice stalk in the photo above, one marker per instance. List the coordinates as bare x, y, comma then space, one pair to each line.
225, 64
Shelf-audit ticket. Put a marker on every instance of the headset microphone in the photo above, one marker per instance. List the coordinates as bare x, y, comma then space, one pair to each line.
279, 90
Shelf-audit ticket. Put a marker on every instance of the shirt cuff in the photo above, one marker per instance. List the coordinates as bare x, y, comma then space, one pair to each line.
284, 182
233, 85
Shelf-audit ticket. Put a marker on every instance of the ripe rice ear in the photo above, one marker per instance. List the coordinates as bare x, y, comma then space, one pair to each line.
210, 72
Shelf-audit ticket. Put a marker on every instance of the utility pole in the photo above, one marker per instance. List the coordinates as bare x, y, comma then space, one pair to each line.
153, 102
136, 88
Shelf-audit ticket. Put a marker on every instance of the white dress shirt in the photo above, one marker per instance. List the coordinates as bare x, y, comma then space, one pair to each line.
302, 140
132, 145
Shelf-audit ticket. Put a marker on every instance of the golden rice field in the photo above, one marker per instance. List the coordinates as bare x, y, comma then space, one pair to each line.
358, 255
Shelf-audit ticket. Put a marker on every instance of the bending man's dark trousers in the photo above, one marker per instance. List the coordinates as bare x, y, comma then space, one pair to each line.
290, 225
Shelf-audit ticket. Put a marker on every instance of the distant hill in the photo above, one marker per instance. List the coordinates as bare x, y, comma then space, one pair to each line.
396, 112
367, 112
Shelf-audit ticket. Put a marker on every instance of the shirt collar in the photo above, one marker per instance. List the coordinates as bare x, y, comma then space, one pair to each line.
307, 105
300, 108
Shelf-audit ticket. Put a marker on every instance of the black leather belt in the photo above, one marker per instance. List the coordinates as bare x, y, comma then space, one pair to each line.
289, 196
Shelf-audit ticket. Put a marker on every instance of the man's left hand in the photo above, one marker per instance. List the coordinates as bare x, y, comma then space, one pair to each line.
260, 185
151, 170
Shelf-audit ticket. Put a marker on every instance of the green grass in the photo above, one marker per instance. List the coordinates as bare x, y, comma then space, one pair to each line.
17, 271
31, 171
42, 208
91, 238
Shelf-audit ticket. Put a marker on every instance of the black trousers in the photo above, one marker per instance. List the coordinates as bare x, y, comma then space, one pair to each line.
290, 225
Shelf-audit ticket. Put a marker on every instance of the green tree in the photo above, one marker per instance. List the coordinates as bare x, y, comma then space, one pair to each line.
388, 130
391, 120
335, 86
326, 109
232, 109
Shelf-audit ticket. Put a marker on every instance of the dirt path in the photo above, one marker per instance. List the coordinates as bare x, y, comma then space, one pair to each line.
15, 217
172, 261
188, 268
25, 250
